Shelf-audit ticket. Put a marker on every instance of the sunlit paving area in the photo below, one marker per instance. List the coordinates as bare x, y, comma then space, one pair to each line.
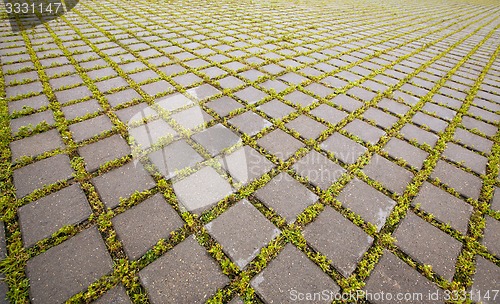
250, 151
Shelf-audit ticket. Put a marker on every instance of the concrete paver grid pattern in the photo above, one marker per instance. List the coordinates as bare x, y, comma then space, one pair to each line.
382, 116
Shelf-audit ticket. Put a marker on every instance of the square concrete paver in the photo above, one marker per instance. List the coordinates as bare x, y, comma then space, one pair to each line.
41, 173
102, 151
174, 157
37, 144
428, 245
41, 218
246, 164
318, 169
281, 144
486, 280
216, 138
242, 231
286, 196
184, 274
390, 175
343, 148
122, 182
371, 204
68, 268
116, 295
463, 182
289, 274
249, 123
491, 233
392, 275
89, 128
339, 239
145, 224
201, 190
307, 127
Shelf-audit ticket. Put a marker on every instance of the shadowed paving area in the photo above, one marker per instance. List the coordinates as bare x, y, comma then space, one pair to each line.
251, 152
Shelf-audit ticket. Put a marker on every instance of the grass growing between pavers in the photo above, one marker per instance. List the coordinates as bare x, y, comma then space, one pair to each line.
371, 53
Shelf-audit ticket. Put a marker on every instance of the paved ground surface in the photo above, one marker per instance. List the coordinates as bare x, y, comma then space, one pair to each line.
165, 151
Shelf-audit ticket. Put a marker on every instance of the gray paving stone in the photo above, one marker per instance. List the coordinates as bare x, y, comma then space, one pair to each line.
391, 275
276, 109
275, 85
230, 82
486, 280
68, 268
3, 241
35, 103
290, 273
65, 81
202, 92
250, 95
151, 133
192, 118
91, 127
435, 124
280, 144
372, 205
286, 196
14, 91
444, 206
412, 132
142, 226
174, 157
347, 103
390, 175
201, 190
393, 106
485, 128
319, 90
495, 203
300, 99
116, 295
251, 75
491, 233
329, 114
339, 239
469, 159
246, 164
440, 111
81, 109
41, 218
242, 231
122, 182
72, 94
473, 141
224, 105
31, 121
187, 80
318, 169
184, 274
400, 149
365, 131
428, 245
118, 98
249, 123
143, 76
41, 173
37, 144
157, 87
216, 138
101, 73
102, 151
463, 182
343, 148
380, 118
307, 127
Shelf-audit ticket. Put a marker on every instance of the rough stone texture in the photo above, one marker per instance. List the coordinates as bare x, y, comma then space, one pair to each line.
242, 231
491, 233
145, 224
339, 239
465, 183
41, 173
343, 148
318, 169
68, 268
184, 274
246, 164
370, 204
392, 275
390, 175
105, 150
122, 182
400, 149
216, 138
37, 144
428, 245
201, 190
307, 128
116, 295
291, 271
90, 128
81, 109
174, 157
486, 280
280, 144
444, 206
329, 114
286, 196
41, 218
